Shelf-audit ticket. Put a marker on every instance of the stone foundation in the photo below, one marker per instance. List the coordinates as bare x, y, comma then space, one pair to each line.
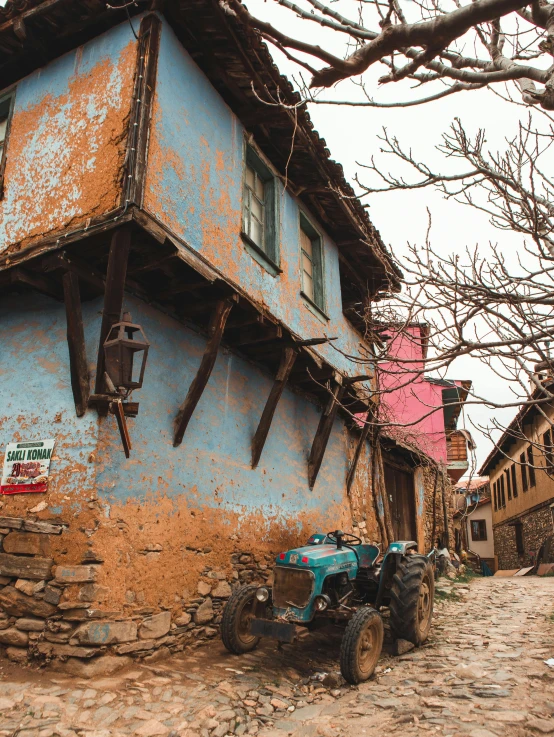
59, 612
536, 527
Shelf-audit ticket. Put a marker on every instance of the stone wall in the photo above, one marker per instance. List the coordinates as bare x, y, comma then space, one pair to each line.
443, 494
60, 612
536, 527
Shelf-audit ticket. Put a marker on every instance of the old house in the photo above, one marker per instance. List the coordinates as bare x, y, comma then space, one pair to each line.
473, 521
181, 277
521, 468
428, 408
426, 447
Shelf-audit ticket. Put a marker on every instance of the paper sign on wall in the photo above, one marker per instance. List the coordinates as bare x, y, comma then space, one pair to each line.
26, 467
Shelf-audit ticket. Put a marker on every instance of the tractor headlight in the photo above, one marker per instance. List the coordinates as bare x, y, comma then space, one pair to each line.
262, 594
322, 602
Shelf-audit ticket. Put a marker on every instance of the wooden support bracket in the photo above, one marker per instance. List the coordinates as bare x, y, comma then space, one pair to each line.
360, 444
116, 408
39, 282
215, 334
113, 297
288, 358
62, 260
323, 432
78, 365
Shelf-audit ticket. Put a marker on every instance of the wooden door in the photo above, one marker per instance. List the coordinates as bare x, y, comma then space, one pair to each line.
400, 488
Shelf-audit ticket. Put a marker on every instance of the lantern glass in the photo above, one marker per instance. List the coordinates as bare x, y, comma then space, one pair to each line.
125, 353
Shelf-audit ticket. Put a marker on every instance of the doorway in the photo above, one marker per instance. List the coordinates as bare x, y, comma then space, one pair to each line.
400, 489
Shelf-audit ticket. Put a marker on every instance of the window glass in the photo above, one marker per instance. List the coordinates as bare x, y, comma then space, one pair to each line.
478, 529
514, 480
508, 483
311, 263
254, 207
260, 211
307, 265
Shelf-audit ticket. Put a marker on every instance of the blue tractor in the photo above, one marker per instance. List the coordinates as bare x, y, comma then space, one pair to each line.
336, 579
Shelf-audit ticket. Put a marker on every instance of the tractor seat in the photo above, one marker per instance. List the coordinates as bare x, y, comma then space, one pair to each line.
368, 555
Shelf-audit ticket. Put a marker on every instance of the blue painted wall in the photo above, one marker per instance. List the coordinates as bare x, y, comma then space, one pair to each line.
212, 466
194, 186
197, 503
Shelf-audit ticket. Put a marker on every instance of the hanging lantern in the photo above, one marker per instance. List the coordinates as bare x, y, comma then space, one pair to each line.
125, 353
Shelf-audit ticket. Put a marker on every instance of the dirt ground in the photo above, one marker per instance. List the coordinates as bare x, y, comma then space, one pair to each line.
481, 674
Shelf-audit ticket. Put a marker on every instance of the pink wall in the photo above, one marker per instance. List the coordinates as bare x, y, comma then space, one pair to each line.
412, 396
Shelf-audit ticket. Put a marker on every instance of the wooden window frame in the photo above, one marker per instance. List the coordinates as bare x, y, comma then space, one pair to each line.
531, 467
508, 483
316, 238
482, 531
524, 476
267, 255
548, 452
514, 481
4, 97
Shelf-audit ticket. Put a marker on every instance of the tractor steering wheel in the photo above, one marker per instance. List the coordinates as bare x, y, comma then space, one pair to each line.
345, 537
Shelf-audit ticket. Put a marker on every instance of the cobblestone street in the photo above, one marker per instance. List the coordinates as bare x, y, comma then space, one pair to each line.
481, 674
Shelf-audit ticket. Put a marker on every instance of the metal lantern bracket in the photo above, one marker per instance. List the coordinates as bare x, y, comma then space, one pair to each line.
125, 341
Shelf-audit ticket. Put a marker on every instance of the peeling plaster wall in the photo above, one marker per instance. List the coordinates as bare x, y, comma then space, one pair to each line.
200, 496
194, 186
36, 402
66, 146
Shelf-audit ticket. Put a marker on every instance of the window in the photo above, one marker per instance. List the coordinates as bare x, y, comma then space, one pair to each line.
502, 494
508, 484
495, 495
519, 538
514, 480
260, 212
531, 469
312, 267
478, 530
548, 452
524, 476
6, 110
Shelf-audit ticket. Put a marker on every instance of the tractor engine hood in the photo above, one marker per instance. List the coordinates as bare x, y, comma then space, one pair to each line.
327, 557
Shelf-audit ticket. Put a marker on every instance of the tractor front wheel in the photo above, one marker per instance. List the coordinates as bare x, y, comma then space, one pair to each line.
411, 601
235, 624
361, 645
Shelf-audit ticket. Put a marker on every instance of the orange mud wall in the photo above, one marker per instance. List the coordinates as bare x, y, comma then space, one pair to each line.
166, 516
66, 147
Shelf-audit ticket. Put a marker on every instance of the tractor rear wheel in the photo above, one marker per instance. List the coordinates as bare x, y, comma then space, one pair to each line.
411, 599
361, 645
235, 623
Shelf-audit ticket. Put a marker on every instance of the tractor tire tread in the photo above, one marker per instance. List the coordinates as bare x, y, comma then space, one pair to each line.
348, 648
404, 598
228, 623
